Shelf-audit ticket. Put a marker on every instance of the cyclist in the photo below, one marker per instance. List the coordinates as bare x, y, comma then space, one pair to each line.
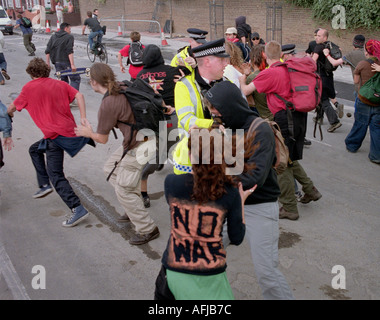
95, 28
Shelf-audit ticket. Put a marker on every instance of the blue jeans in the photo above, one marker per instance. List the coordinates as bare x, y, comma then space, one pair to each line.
92, 35
365, 116
74, 79
52, 170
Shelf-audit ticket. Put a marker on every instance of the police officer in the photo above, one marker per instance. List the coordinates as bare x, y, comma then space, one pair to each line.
211, 60
197, 38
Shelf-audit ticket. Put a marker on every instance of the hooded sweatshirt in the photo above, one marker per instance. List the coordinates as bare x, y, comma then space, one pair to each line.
243, 29
60, 45
157, 74
227, 99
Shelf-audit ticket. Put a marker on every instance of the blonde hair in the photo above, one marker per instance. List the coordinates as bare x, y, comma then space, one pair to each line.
273, 50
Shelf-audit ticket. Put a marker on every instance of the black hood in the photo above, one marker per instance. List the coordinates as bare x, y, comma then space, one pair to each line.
152, 56
241, 22
227, 99
61, 33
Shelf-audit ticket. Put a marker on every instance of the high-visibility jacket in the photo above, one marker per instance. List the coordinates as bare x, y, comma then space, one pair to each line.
182, 55
189, 109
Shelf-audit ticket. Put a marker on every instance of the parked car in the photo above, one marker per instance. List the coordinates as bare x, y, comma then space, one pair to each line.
6, 25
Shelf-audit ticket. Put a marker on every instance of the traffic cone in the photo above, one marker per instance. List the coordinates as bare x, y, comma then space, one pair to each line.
163, 40
58, 26
47, 30
119, 33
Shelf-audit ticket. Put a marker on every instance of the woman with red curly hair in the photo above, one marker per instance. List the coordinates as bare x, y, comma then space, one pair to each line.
194, 261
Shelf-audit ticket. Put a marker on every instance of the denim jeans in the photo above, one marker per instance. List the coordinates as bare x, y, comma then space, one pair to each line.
365, 116
92, 35
52, 170
74, 79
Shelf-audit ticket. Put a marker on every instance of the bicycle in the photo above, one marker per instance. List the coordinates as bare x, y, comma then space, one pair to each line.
99, 52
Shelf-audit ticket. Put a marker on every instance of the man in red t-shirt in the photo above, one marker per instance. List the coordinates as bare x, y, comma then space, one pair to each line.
272, 81
134, 67
48, 103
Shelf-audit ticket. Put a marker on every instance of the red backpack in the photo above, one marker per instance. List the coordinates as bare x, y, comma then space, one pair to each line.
305, 82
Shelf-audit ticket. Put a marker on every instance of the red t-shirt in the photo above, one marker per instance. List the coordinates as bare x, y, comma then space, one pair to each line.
273, 80
48, 103
133, 70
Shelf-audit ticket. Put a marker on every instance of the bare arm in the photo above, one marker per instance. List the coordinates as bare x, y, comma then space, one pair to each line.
81, 105
120, 60
85, 130
334, 62
71, 59
246, 89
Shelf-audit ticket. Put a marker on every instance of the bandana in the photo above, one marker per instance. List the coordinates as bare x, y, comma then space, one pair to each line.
373, 48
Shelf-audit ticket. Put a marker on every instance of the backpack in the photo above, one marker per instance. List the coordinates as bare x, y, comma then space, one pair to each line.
135, 54
370, 91
305, 82
147, 109
26, 22
335, 53
282, 152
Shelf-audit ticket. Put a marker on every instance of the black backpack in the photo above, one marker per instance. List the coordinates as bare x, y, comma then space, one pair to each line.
335, 53
146, 107
135, 54
26, 22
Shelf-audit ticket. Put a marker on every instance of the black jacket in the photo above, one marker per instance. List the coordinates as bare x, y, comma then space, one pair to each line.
227, 99
243, 29
158, 74
60, 45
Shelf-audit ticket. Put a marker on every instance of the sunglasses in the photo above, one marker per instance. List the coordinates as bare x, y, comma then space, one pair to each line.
255, 38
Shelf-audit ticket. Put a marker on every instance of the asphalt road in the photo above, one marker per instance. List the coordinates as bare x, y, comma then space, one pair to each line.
95, 261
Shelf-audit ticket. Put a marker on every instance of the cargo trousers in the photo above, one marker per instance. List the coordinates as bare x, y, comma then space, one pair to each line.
126, 179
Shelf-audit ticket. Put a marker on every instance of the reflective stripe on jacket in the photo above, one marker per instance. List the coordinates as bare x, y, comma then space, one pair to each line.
189, 109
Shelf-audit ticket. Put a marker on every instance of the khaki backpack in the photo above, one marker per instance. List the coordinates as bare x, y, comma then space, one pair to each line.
282, 152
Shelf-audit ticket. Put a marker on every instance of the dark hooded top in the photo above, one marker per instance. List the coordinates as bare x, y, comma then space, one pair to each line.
158, 74
243, 29
60, 45
227, 99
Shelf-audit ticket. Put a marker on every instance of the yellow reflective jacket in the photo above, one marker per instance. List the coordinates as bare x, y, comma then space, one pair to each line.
189, 109
180, 57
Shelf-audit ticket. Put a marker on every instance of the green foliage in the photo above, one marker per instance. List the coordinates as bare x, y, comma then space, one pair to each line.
359, 13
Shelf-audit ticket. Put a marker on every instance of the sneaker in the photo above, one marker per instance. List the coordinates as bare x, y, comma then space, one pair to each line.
314, 196
288, 215
334, 126
31, 54
44, 190
139, 239
78, 214
340, 110
306, 142
5, 74
146, 202
124, 218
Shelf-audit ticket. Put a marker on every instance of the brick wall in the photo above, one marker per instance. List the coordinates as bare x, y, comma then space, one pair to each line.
298, 24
